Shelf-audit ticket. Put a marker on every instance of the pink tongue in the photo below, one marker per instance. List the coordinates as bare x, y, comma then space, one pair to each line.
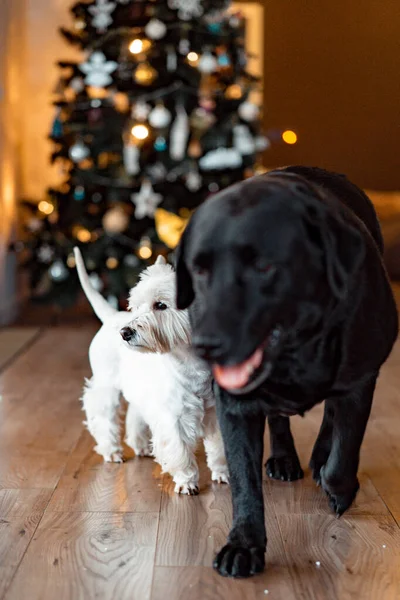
236, 377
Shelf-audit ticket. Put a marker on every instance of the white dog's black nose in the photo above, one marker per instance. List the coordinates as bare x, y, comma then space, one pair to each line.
127, 333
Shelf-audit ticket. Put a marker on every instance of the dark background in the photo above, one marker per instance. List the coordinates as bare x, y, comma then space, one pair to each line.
332, 73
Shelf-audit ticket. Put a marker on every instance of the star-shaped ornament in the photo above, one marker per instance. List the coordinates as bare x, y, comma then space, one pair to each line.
146, 201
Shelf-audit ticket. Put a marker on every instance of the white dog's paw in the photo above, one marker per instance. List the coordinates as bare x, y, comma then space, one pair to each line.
190, 489
111, 455
220, 475
144, 451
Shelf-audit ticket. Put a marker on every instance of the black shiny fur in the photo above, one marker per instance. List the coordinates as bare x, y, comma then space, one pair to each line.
299, 252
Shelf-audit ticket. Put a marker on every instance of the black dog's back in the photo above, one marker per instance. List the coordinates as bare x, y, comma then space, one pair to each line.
348, 193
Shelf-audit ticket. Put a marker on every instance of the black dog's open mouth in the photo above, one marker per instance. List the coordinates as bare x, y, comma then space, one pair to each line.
251, 373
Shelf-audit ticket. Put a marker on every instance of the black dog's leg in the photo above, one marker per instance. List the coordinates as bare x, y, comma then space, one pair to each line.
323, 444
283, 463
243, 436
350, 417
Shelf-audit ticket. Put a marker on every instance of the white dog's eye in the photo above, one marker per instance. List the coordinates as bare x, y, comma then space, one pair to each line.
160, 306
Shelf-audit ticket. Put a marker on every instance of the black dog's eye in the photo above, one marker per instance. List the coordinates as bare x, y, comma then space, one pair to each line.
264, 266
160, 306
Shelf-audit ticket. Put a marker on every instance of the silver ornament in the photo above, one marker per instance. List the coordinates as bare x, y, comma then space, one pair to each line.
45, 253
131, 260
249, 111
79, 151
155, 29
98, 69
160, 117
58, 271
207, 63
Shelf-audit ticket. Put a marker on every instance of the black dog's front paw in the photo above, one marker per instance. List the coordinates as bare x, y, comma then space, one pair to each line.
285, 468
238, 561
340, 498
318, 460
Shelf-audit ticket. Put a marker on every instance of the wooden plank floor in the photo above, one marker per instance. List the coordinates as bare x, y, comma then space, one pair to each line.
72, 528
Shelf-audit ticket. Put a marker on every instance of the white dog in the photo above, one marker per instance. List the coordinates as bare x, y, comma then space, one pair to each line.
145, 354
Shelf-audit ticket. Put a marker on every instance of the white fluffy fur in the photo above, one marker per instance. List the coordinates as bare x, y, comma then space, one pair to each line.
168, 389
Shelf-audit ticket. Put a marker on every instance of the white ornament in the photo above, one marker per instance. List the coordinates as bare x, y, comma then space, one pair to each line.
221, 158
131, 260
184, 46
77, 84
155, 29
187, 9
194, 181
45, 253
262, 143
179, 135
207, 63
146, 201
249, 111
157, 172
79, 151
35, 225
131, 155
172, 60
141, 111
96, 282
97, 70
160, 117
243, 141
101, 12
58, 271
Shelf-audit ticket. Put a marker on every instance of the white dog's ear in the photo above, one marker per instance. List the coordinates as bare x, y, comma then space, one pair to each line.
160, 260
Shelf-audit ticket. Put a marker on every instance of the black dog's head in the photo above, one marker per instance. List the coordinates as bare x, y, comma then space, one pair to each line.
257, 261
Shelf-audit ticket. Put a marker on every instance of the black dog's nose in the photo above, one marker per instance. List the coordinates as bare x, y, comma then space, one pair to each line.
127, 333
209, 348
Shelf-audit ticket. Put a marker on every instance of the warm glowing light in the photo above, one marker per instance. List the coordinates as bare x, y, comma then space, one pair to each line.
45, 207
112, 262
234, 92
193, 56
140, 132
136, 47
83, 235
71, 261
289, 136
145, 252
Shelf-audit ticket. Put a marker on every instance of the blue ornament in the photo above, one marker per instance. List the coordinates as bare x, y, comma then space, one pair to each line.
224, 60
160, 144
214, 28
57, 128
79, 193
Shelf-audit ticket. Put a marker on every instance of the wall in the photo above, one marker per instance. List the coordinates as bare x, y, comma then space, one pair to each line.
11, 89
45, 47
332, 73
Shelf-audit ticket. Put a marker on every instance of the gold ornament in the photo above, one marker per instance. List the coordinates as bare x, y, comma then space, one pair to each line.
234, 92
46, 207
169, 227
112, 262
97, 92
145, 74
115, 220
195, 150
81, 234
145, 249
121, 102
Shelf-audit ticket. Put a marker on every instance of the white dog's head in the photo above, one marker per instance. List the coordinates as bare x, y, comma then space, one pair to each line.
156, 325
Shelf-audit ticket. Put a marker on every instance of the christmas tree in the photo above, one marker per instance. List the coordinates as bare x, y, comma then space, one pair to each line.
157, 116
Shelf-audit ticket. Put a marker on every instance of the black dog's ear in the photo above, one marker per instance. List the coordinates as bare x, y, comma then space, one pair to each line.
342, 244
184, 285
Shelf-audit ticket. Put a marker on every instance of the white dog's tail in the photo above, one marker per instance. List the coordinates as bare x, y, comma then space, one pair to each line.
99, 304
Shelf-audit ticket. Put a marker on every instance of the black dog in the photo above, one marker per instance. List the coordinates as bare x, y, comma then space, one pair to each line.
291, 305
